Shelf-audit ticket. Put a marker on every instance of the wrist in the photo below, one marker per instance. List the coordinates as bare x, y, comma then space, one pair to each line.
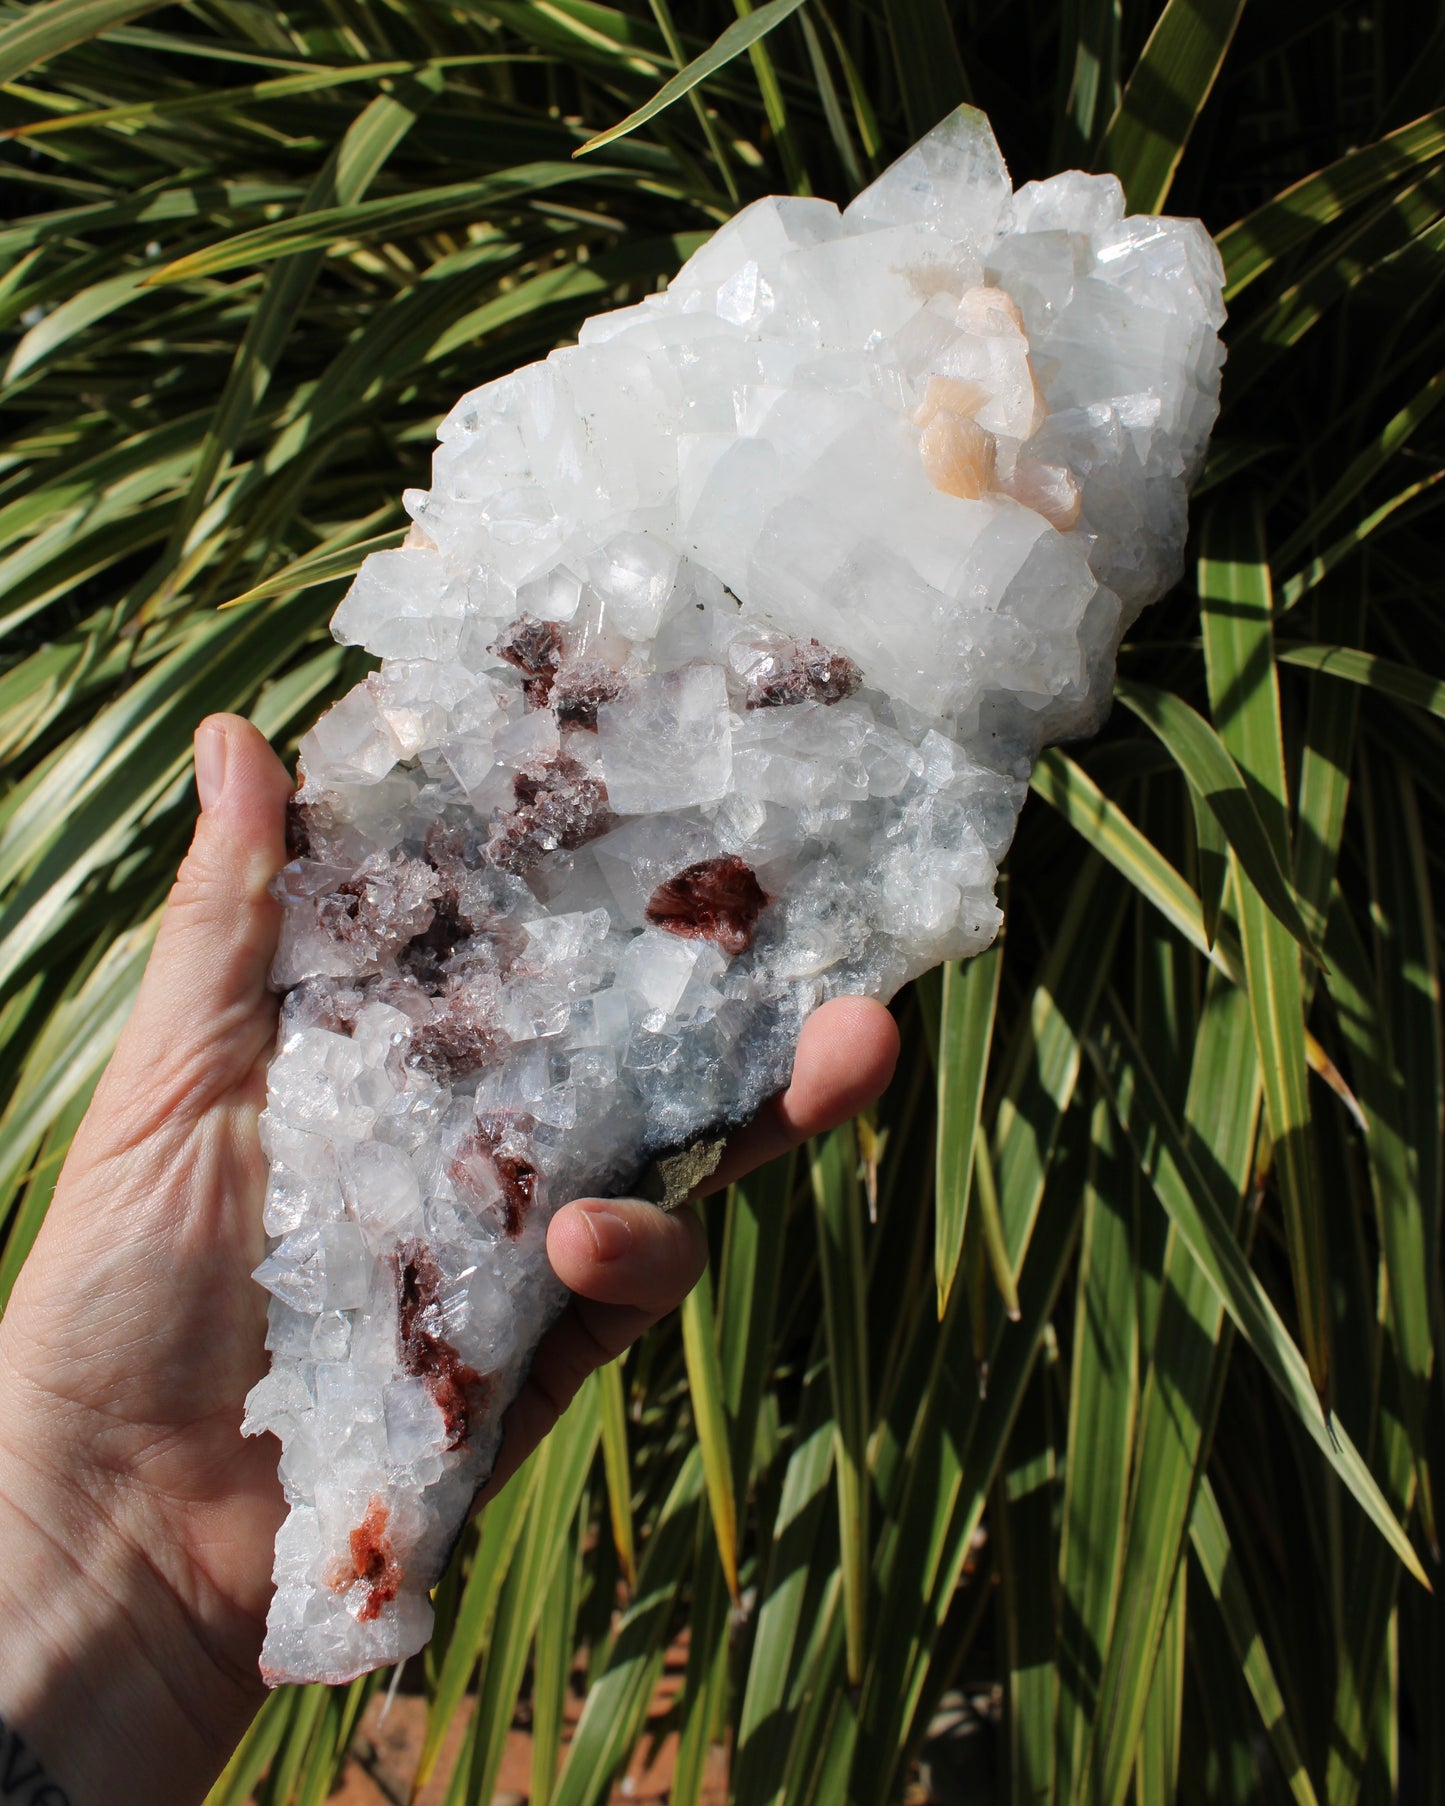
103, 1674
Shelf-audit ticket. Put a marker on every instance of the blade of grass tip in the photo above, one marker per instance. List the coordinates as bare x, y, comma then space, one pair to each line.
1164, 96
838, 1212
992, 1235
970, 998
928, 68
704, 1378
662, 12
1210, 1540
1235, 614
617, 1467
1103, 1406
1206, 762
1382, 675
327, 563
1201, 1217
1067, 787
741, 35
44, 31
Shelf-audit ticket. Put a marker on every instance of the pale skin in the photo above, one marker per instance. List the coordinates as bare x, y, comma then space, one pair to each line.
136, 1523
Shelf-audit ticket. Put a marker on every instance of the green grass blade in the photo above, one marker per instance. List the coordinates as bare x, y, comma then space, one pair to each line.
1023, 1521
1258, 241
929, 69
1200, 1216
1156, 1767
502, 1525
44, 31
616, 1465
740, 36
1206, 762
1365, 466
552, 1663
970, 999
1235, 610
1382, 675
1181, 1381
1068, 788
705, 1383
1103, 1409
1220, 1569
1165, 93
838, 1211
622, 1690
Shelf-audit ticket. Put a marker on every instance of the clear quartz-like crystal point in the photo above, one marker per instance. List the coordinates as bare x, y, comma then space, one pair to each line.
711, 676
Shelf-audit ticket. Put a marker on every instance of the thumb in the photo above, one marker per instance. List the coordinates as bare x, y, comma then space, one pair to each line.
204, 1016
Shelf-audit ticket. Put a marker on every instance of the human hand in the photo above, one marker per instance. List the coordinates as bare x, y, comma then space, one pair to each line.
138, 1524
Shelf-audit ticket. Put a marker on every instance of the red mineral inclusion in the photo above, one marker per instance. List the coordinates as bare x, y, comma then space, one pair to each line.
456, 1389
715, 900
535, 649
373, 1563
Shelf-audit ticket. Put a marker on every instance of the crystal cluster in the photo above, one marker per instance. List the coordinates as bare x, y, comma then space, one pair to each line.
712, 670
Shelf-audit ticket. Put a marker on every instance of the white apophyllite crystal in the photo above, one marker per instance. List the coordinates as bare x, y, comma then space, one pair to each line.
712, 673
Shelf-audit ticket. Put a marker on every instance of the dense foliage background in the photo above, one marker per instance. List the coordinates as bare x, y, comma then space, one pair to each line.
1014, 1396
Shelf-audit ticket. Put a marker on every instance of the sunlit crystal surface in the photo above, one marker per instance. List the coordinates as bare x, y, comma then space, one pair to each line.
712, 672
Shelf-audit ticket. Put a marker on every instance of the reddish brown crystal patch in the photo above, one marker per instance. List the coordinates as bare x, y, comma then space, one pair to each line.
535, 649
455, 1388
560, 805
715, 900
501, 1135
298, 828
373, 1564
581, 689
803, 671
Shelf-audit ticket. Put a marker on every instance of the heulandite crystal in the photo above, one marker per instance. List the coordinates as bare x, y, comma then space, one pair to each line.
712, 671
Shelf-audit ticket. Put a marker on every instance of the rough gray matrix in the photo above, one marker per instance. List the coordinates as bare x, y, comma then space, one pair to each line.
712, 671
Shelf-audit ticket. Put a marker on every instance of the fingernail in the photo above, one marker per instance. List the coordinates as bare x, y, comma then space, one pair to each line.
611, 1231
210, 765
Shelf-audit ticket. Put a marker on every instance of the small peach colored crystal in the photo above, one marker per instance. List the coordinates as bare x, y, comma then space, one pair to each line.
959, 456
949, 395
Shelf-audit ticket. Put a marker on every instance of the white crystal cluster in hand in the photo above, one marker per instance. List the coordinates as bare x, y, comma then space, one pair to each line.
712, 671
